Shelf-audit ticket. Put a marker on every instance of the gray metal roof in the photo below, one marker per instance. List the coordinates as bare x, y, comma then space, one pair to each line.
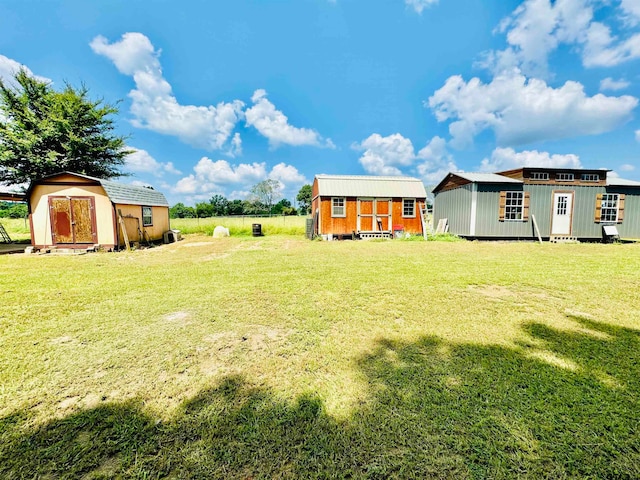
486, 177
121, 192
370, 186
621, 182
133, 195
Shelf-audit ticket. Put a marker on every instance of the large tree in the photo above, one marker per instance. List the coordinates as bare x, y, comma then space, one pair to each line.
44, 131
304, 199
266, 192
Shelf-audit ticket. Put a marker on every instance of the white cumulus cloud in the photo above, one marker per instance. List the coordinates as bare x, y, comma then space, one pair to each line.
383, 155
210, 177
154, 106
9, 67
631, 11
392, 154
436, 161
627, 167
141, 161
420, 5
287, 174
521, 110
614, 85
508, 158
536, 28
274, 125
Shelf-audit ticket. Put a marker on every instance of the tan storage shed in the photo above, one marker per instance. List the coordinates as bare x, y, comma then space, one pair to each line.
71, 210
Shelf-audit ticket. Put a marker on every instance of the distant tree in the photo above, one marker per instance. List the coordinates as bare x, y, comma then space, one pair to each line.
235, 207
266, 192
44, 131
179, 210
304, 199
253, 206
13, 210
278, 208
204, 210
220, 205
283, 207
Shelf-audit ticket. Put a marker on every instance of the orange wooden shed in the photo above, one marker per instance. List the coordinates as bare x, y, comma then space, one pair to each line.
367, 206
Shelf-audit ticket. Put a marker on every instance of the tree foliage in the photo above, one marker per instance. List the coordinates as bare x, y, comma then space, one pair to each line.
179, 210
283, 207
220, 206
13, 210
204, 210
266, 192
44, 131
304, 199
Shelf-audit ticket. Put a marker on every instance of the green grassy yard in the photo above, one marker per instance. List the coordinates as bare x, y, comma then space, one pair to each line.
242, 226
278, 357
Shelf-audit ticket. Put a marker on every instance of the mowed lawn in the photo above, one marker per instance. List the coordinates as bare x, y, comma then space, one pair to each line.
278, 357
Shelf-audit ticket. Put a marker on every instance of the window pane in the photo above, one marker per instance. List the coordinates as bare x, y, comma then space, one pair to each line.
147, 218
514, 206
408, 208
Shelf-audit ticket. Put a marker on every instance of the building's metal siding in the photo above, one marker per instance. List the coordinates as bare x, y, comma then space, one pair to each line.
369, 186
454, 205
630, 226
487, 223
541, 198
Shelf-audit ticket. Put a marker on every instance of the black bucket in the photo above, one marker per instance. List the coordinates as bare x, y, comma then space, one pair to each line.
257, 229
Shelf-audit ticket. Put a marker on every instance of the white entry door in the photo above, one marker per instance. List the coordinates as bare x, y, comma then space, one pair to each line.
562, 213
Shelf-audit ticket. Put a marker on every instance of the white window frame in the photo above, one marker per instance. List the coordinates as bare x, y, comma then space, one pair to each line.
539, 176
516, 197
569, 177
590, 177
335, 208
610, 207
149, 216
413, 207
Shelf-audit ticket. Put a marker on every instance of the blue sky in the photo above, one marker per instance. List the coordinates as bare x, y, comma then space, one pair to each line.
216, 96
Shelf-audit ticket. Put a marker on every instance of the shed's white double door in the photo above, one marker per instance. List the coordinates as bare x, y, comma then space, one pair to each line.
374, 214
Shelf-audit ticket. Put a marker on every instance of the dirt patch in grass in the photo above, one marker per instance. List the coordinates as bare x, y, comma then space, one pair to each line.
492, 291
252, 337
180, 317
62, 340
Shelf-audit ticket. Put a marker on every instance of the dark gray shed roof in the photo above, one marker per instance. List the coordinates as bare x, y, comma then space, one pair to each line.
120, 192
133, 194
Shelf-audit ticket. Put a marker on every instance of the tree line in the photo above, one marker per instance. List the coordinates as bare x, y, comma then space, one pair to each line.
260, 202
13, 210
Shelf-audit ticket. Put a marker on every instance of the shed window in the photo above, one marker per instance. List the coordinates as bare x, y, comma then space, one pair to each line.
564, 177
514, 207
147, 216
409, 207
539, 176
609, 208
338, 207
590, 177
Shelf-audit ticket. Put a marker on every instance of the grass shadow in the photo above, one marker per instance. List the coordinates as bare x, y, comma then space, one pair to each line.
435, 410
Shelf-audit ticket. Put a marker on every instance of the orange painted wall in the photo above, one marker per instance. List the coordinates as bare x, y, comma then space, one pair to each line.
338, 225
349, 224
411, 225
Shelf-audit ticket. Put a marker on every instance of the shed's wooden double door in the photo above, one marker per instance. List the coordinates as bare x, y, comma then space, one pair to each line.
73, 220
374, 214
